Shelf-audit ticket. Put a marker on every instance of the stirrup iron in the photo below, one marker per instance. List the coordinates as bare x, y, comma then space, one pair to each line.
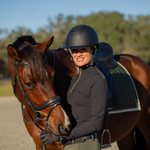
107, 145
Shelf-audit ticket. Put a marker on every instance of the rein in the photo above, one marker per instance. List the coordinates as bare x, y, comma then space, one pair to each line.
54, 101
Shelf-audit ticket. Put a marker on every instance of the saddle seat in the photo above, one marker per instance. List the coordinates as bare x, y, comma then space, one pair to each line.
105, 55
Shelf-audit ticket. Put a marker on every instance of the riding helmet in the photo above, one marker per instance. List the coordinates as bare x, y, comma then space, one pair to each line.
81, 36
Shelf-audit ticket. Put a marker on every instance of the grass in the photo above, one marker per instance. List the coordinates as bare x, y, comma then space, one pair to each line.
6, 88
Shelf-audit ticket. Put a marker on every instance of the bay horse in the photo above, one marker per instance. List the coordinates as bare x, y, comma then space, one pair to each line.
121, 126
33, 84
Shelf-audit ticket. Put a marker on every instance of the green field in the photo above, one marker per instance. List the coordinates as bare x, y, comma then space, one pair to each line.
6, 88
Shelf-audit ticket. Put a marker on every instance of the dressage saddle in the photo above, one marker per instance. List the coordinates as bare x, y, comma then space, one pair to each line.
104, 61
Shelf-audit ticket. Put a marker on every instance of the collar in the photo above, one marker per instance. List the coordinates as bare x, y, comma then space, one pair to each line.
88, 65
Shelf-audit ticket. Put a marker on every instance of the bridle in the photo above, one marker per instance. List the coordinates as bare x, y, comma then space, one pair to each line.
38, 115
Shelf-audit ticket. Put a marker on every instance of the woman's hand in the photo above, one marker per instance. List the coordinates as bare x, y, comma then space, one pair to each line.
48, 137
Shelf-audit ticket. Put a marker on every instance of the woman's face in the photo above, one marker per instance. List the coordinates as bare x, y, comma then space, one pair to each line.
82, 56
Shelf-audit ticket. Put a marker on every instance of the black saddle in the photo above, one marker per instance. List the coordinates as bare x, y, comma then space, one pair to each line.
104, 61
105, 55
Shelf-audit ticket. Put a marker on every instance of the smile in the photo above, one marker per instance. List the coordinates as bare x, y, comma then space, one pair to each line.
80, 59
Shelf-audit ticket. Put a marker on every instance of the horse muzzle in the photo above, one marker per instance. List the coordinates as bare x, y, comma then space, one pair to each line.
64, 130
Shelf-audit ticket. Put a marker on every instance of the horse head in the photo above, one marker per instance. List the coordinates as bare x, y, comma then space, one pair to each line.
33, 84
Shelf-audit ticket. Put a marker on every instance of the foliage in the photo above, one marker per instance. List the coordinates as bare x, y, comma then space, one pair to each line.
3, 68
131, 35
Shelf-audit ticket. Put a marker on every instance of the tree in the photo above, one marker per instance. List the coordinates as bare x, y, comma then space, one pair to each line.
3, 68
131, 35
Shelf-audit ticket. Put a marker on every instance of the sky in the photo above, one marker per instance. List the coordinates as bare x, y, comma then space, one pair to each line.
33, 14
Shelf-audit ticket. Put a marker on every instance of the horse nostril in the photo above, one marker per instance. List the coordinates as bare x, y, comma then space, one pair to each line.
64, 130
61, 129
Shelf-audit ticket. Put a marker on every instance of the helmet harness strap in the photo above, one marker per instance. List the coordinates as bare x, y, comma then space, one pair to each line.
92, 58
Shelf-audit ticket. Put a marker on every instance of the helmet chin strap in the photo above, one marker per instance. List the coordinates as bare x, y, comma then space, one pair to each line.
85, 66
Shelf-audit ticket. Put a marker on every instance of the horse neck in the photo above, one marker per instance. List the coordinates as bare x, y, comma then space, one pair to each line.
63, 59
65, 70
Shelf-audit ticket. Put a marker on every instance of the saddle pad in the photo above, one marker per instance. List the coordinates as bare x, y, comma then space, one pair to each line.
127, 97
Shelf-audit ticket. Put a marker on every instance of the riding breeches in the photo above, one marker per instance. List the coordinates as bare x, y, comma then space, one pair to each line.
91, 144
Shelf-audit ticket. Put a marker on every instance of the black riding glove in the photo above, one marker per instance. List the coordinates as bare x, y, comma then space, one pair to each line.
48, 137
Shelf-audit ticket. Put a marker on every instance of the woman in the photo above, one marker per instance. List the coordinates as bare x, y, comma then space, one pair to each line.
87, 94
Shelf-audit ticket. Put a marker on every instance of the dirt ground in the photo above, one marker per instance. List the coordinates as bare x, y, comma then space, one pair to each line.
13, 134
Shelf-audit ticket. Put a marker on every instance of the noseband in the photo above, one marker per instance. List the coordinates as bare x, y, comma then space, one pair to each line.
54, 101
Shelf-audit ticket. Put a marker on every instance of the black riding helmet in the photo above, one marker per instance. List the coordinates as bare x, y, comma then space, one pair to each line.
81, 36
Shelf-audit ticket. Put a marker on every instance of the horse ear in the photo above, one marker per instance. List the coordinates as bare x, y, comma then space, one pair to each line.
45, 45
13, 53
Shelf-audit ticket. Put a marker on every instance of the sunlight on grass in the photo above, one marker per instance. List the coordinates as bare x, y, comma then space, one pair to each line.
6, 88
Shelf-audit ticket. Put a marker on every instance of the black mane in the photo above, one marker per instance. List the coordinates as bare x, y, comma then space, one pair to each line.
22, 39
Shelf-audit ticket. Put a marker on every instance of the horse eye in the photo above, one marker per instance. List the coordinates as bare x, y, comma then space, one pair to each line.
29, 85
